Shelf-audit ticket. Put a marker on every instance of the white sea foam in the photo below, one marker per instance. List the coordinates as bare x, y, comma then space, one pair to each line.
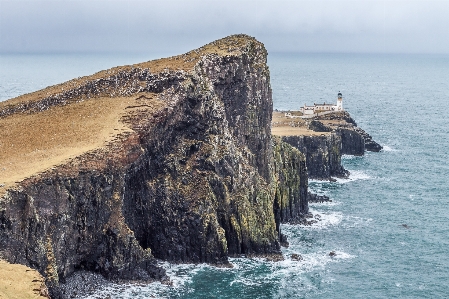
246, 272
180, 275
325, 219
319, 186
314, 181
355, 175
386, 148
349, 157
286, 270
352, 221
325, 203
131, 291
247, 281
340, 255
310, 262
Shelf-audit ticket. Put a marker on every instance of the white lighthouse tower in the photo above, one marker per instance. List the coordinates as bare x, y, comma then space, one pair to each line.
340, 102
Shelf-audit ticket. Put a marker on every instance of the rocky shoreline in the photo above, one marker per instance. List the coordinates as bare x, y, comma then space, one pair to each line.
323, 140
196, 176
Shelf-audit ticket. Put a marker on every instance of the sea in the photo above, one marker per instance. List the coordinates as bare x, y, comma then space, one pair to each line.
388, 223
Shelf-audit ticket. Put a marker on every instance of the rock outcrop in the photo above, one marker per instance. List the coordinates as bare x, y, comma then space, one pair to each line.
323, 140
354, 140
323, 154
195, 177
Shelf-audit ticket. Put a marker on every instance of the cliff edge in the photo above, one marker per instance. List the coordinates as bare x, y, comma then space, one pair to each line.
170, 159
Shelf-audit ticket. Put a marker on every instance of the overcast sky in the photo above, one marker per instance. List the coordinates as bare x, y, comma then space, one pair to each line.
177, 26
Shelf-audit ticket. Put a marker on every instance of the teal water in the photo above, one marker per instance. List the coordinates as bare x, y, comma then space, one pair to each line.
401, 101
24, 73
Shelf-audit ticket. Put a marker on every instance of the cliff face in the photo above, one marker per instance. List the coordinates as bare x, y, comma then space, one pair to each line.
354, 140
323, 154
195, 177
291, 192
352, 143
203, 189
323, 140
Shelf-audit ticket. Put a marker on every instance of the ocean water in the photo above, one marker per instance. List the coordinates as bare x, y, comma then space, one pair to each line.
388, 223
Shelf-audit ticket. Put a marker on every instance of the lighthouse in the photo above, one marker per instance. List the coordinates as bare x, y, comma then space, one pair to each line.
340, 102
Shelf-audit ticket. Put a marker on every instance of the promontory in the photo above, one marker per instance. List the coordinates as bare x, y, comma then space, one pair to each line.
171, 159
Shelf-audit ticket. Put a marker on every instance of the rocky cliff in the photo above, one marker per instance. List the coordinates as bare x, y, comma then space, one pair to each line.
186, 169
323, 140
323, 154
354, 140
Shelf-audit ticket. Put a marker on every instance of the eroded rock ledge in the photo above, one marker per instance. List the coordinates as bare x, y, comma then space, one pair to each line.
195, 177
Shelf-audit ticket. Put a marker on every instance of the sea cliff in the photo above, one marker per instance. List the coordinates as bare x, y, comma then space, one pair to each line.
177, 159
170, 159
323, 140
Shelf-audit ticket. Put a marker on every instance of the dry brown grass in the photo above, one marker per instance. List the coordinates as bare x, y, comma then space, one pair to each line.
19, 282
32, 143
295, 131
286, 126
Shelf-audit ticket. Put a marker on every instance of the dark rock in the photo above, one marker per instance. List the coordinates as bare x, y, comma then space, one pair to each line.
318, 126
370, 144
323, 155
314, 198
340, 137
291, 193
296, 257
283, 240
354, 139
352, 142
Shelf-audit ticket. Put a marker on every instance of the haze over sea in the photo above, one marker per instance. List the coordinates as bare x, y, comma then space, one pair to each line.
388, 223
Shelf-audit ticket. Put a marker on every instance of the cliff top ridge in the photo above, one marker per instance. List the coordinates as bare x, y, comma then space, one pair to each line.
52, 126
232, 45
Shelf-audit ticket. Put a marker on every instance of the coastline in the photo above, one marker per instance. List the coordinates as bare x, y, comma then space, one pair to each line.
323, 140
102, 197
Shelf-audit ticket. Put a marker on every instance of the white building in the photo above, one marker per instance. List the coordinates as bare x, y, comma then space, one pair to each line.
318, 108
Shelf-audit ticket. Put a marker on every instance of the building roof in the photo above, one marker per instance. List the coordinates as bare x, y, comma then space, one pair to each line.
323, 104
